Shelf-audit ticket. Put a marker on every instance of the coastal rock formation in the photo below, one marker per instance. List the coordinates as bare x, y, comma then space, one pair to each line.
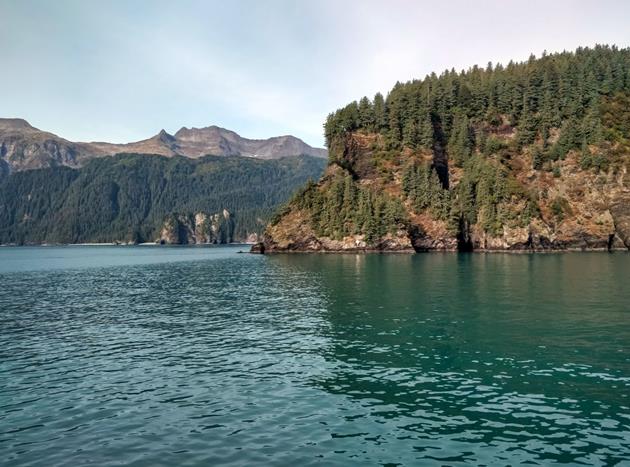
620, 212
258, 248
578, 210
198, 228
451, 163
295, 233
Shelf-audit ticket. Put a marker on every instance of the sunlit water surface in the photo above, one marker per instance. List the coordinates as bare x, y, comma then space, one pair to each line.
200, 356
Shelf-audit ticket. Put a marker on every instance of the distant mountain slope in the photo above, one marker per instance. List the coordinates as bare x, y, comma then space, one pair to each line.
23, 147
142, 198
195, 142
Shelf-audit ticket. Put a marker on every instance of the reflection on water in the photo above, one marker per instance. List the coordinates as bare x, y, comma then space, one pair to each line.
316, 359
523, 356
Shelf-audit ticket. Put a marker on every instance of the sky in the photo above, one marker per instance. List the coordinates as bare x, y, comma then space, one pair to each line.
120, 71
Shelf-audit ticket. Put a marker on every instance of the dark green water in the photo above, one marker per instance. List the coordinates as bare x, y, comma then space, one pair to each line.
199, 356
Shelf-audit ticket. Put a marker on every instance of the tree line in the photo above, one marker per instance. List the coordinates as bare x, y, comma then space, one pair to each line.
557, 102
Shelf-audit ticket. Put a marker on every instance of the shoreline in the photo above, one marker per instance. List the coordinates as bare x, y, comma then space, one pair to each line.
15, 245
325, 252
413, 252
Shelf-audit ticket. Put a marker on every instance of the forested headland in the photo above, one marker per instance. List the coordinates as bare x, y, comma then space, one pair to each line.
515, 156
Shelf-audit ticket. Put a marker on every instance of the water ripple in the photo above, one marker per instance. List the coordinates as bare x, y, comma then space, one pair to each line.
204, 357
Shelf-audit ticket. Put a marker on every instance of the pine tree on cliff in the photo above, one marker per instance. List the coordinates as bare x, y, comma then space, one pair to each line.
395, 110
527, 126
349, 202
350, 117
410, 136
425, 131
380, 116
592, 124
366, 114
460, 143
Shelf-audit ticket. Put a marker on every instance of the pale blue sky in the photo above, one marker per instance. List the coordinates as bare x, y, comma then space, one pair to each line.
122, 70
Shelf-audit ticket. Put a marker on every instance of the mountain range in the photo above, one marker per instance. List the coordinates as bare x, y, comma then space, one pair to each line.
24, 147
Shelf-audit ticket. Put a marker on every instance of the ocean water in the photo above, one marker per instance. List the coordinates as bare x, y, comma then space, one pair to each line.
158, 356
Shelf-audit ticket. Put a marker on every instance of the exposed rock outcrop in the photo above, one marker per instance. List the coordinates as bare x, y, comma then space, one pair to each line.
253, 238
258, 248
196, 142
620, 213
294, 233
578, 210
24, 147
198, 228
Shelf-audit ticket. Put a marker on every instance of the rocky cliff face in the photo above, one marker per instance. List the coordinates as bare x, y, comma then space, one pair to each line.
574, 208
198, 228
620, 213
23, 147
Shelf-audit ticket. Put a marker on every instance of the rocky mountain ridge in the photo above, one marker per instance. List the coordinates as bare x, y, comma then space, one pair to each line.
24, 147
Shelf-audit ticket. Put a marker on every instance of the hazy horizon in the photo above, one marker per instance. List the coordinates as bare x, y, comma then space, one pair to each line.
120, 71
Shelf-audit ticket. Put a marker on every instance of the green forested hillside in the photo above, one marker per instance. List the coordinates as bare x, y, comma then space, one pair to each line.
129, 196
510, 156
573, 92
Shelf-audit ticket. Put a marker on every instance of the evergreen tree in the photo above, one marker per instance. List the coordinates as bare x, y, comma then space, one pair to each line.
410, 135
380, 116
366, 114
537, 158
527, 126
425, 131
460, 143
